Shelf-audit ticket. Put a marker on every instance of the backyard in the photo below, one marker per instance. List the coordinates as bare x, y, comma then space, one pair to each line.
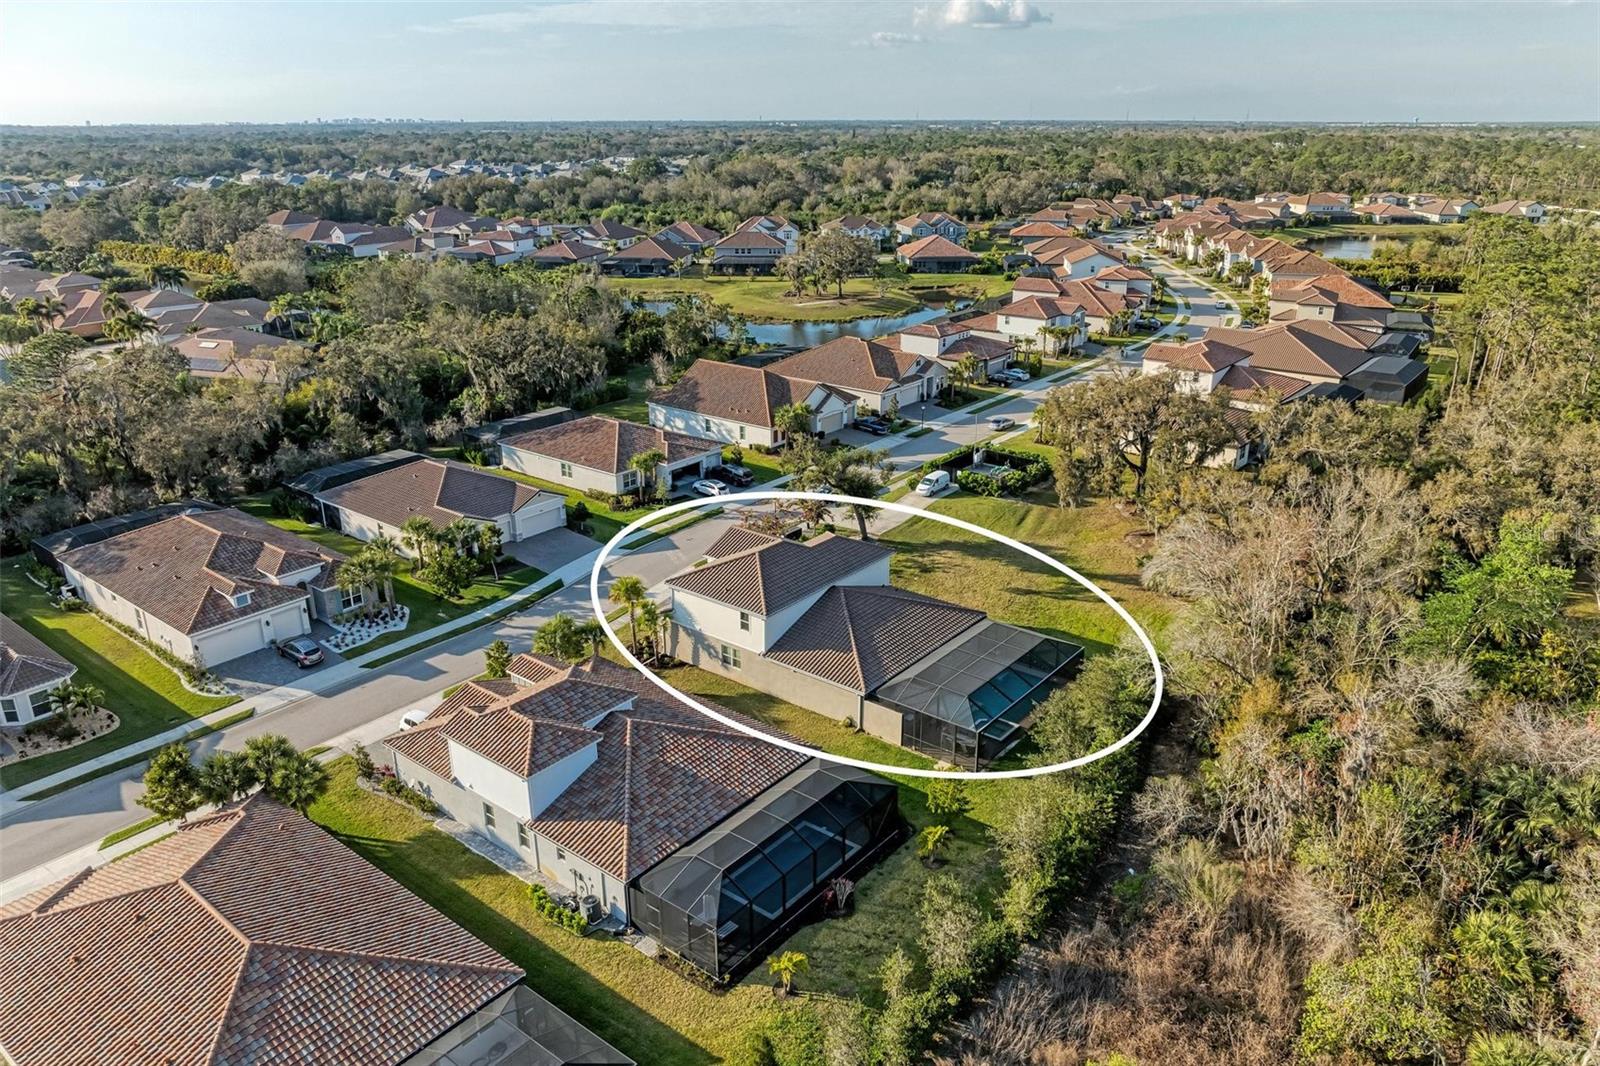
643, 1008
145, 694
428, 608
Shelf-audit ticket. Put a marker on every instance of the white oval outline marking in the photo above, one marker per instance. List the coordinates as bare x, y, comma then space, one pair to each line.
644, 521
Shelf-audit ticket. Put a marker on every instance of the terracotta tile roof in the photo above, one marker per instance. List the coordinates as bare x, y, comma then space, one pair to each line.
1246, 379
861, 636
1121, 273
751, 238
932, 218
439, 489
938, 329
653, 248
852, 363
1329, 290
1042, 308
935, 247
739, 539
1041, 230
854, 222
607, 444
1510, 207
185, 569
1091, 299
26, 662
740, 393
770, 578
689, 233
248, 937
289, 218
1382, 210
1206, 353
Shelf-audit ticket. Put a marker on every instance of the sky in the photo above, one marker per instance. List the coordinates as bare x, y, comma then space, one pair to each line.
741, 60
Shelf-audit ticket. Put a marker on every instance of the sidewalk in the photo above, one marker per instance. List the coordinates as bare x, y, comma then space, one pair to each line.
321, 681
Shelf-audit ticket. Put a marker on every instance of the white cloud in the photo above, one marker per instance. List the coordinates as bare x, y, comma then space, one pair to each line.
983, 14
887, 39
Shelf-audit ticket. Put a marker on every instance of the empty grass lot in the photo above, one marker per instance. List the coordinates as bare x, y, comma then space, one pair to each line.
145, 695
1097, 540
428, 608
646, 1010
764, 299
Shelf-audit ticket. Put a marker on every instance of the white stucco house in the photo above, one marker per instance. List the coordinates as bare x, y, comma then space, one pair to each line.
30, 670
595, 453
737, 404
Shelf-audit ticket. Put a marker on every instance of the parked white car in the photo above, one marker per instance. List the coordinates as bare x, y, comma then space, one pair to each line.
1015, 374
709, 487
414, 717
934, 483
999, 422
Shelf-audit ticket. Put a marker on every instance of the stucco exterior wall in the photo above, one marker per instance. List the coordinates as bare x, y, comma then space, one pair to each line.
549, 469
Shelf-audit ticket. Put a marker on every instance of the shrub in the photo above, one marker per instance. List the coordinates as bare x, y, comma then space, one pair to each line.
366, 769
577, 515
226, 288
553, 912
406, 794
193, 261
599, 495
285, 504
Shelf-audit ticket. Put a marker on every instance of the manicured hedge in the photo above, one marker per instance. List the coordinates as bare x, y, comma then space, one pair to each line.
1024, 470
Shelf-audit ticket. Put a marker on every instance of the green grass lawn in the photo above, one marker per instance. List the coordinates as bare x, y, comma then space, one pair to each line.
646, 1010
765, 300
634, 408
1096, 540
428, 608
145, 694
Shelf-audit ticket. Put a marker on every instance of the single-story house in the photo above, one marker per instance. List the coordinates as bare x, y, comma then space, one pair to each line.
234, 352
929, 224
736, 403
30, 670
775, 226
649, 257
820, 624
251, 935
1320, 204
690, 235
1443, 209
594, 452
443, 491
609, 233
565, 253
1383, 212
209, 586
935, 255
445, 219
1033, 232
714, 843
881, 377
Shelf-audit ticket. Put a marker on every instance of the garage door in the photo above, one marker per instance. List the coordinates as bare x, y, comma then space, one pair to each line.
534, 521
832, 422
230, 643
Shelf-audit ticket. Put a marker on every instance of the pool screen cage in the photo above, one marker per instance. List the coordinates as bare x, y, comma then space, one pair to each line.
969, 706
719, 902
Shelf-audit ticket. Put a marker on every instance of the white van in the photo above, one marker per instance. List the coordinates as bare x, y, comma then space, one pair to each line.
934, 483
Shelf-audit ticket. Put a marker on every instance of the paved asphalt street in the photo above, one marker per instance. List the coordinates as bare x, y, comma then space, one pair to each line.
44, 830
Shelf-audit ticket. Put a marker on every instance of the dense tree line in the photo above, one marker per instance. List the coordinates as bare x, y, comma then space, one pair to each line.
812, 172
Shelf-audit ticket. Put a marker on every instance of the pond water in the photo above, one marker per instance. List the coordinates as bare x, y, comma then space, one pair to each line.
811, 334
1341, 247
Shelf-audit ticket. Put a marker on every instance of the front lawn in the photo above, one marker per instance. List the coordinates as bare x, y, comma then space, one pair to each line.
428, 608
646, 1010
145, 694
1097, 540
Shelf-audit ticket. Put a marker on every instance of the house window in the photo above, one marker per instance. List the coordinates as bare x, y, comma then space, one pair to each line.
730, 657
744, 621
566, 469
522, 836
561, 855
741, 432
138, 617
8, 708
40, 702
488, 816
630, 480
240, 599
705, 424
349, 598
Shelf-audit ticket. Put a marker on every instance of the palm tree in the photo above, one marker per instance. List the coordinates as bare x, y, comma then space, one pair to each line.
594, 635
650, 624
129, 326
488, 541
629, 590
164, 275
1059, 337
419, 535
461, 534
815, 512
45, 311
560, 637
792, 420
787, 966
647, 465
357, 574
385, 554
298, 782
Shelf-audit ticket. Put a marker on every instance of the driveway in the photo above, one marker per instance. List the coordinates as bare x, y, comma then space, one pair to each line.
251, 675
551, 550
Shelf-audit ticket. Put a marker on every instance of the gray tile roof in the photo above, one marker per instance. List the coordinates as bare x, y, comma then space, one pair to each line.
441, 490
607, 444
26, 662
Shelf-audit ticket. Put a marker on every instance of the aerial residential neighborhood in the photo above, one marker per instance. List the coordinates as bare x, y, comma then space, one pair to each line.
520, 543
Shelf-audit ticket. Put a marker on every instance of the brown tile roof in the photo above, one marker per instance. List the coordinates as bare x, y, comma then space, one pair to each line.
1329, 290
439, 489
653, 248
850, 362
289, 218
935, 247
1206, 353
741, 393
1305, 346
1041, 230
751, 238
1246, 379
248, 937
853, 222
609, 230
772, 577
185, 569
739, 539
932, 218
938, 329
689, 232
566, 252
26, 662
607, 444
1092, 299
860, 637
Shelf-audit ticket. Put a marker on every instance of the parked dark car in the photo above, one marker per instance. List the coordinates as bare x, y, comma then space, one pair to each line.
878, 427
733, 475
303, 651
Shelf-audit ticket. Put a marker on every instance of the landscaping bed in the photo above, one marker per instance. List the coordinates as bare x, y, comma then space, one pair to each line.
144, 693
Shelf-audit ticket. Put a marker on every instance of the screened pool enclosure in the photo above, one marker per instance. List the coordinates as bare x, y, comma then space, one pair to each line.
968, 706
723, 901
